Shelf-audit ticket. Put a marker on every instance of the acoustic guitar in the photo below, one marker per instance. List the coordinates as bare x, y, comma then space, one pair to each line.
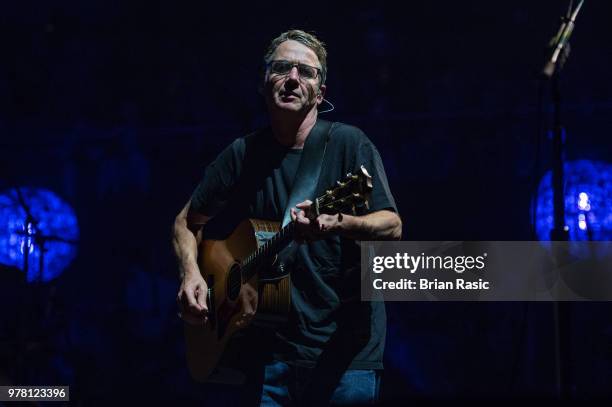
250, 255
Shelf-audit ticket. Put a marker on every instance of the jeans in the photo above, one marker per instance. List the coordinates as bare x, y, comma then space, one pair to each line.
286, 385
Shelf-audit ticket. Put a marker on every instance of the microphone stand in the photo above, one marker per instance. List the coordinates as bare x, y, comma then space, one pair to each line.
560, 232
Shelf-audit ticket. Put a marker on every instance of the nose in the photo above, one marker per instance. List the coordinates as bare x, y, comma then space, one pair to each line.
294, 74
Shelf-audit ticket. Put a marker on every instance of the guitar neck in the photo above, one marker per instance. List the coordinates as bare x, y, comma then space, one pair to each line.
266, 251
352, 191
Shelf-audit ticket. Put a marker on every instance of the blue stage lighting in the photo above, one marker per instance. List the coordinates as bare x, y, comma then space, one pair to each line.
588, 201
38, 232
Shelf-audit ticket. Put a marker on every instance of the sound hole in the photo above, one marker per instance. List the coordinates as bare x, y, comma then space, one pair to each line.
234, 282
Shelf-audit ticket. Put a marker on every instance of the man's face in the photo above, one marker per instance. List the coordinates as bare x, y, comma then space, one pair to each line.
292, 91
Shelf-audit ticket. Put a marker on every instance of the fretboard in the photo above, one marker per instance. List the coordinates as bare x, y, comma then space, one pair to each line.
266, 251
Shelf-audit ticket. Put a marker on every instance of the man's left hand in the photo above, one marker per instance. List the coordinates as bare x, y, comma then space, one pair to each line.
319, 228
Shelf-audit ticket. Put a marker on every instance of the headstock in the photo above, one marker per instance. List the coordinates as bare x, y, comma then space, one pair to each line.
349, 194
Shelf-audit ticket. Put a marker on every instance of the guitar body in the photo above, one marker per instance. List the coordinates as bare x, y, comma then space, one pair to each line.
219, 262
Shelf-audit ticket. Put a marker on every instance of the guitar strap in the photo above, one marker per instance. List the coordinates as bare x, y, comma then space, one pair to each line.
304, 187
309, 169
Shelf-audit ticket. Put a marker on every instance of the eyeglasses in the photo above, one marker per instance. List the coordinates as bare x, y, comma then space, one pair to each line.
282, 67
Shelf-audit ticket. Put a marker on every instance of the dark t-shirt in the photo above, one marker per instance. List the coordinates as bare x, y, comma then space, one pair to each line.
252, 178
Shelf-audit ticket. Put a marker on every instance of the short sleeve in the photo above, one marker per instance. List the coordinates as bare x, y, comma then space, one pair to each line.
368, 156
214, 190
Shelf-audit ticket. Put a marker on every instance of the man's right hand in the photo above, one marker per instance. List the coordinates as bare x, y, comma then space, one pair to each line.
191, 299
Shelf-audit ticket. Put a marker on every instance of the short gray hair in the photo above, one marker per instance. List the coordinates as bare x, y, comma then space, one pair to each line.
305, 38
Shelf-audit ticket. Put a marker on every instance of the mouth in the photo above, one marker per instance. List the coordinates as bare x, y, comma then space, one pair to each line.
288, 95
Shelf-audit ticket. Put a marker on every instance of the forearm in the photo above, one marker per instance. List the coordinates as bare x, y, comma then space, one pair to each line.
185, 249
185, 239
380, 225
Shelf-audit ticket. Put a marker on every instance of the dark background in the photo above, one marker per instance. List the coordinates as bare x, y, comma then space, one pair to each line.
118, 107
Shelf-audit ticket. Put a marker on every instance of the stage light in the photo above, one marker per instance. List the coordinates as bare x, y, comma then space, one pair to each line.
588, 201
582, 222
583, 202
38, 232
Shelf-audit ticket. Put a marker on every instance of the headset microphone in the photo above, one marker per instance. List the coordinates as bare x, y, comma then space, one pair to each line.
331, 106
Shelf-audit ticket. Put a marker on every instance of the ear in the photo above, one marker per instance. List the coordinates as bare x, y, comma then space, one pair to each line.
321, 94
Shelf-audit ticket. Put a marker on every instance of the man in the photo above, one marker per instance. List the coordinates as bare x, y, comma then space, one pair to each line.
331, 348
